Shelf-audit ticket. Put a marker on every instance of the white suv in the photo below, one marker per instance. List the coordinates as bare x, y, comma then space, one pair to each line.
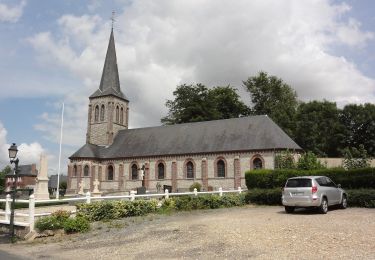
312, 191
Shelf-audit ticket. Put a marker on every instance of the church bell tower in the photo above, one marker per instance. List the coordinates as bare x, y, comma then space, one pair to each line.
108, 107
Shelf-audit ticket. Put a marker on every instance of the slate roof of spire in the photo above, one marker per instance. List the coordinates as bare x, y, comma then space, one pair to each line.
110, 83
251, 133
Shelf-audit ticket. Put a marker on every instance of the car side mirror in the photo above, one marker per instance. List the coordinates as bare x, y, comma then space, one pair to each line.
339, 186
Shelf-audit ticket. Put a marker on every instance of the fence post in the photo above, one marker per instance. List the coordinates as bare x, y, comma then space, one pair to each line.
221, 192
195, 192
31, 212
7, 207
132, 195
166, 193
239, 190
88, 197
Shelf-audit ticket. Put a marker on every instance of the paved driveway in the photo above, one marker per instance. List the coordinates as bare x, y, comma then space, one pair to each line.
237, 233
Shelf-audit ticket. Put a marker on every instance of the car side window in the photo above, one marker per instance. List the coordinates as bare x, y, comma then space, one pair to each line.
322, 181
330, 183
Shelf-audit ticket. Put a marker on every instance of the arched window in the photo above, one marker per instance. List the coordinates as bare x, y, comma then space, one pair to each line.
189, 170
102, 112
134, 172
75, 170
117, 114
161, 171
220, 168
86, 171
257, 163
121, 116
110, 173
96, 117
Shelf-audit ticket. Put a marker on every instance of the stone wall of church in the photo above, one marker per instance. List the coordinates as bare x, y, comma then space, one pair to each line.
205, 172
102, 128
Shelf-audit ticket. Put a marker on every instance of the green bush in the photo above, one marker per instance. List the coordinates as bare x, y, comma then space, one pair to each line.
364, 198
55, 221
195, 185
264, 196
208, 201
106, 210
77, 224
349, 179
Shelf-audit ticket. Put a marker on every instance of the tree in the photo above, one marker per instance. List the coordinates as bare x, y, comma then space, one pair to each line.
309, 161
356, 158
318, 128
227, 102
285, 160
271, 96
359, 127
3, 173
194, 103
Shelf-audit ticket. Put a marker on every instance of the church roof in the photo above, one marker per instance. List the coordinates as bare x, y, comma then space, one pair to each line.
228, 135
110, 83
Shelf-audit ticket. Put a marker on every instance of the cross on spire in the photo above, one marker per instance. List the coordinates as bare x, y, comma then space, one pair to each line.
113, 18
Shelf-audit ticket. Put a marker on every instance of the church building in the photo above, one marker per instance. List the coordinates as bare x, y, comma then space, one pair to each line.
213, 153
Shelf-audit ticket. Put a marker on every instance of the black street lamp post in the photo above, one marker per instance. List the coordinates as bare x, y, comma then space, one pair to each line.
12, 156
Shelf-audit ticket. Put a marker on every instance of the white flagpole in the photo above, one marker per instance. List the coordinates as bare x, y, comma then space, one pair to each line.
61, 136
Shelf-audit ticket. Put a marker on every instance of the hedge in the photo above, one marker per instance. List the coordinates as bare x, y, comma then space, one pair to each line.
208, 201
349, 179
106, 210
364, 198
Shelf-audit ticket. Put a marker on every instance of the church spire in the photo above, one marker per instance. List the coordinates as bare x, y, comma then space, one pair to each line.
110, 83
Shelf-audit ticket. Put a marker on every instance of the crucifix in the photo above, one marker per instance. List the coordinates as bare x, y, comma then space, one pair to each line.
113, 18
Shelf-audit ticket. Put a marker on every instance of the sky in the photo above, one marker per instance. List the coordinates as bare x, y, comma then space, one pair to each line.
52, 52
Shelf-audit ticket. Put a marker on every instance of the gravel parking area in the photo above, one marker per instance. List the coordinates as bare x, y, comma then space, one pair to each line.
236, 233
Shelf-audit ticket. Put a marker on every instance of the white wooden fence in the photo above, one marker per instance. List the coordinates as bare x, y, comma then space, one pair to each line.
31, 215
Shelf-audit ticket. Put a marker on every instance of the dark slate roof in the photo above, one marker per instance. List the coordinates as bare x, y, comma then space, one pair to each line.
52, 182
237, 134
110, 83
24, 170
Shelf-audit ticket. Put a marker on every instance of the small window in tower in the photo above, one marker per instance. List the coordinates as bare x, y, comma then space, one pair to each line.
75, 171
102, 112
96, 114
117, 115
122, 116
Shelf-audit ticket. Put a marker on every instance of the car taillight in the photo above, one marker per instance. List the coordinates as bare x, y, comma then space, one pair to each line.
314, 189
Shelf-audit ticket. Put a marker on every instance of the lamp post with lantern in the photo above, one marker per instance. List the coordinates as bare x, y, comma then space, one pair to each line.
13, 160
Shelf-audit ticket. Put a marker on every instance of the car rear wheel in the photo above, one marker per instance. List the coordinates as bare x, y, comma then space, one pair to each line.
344, 202
289, 209
323, 208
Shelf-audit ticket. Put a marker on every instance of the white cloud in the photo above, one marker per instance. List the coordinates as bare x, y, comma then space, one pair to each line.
27, 153
160, 45
11, 14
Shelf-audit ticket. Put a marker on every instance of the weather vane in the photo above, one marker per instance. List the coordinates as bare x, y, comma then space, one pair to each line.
113, 18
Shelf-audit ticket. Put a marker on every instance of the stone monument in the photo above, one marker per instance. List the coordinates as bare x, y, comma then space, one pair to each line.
41, 189
80, 185
96, 192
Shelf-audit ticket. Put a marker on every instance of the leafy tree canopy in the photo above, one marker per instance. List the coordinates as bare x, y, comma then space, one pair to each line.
356, 158
359, 126
273, 97
309, 161
194, 103
285, 160
318, 128
4, 172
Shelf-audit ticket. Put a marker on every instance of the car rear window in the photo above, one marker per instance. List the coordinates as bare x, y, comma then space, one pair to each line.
294, 183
